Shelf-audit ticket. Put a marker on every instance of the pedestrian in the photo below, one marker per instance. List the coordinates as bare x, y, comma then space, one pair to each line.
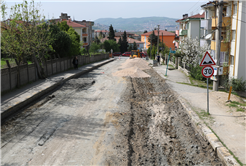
75, 62
158, 59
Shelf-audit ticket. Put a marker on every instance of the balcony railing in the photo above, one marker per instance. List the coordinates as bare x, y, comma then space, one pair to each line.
223, 47
183, 32
226, 21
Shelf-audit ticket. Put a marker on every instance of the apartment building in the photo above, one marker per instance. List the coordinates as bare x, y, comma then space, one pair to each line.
83, 28
87, 33
233, 36
190, 26
164, 36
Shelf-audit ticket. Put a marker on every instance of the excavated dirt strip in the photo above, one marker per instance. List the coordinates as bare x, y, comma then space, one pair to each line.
157, 130
99, 119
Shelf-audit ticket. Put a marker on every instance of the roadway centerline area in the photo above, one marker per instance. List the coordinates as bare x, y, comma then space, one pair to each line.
101, 119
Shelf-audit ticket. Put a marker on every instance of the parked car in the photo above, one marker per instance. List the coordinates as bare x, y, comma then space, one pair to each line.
126, 54
143, 54
116, 53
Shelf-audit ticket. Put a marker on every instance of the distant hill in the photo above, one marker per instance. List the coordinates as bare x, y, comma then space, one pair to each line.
136, 24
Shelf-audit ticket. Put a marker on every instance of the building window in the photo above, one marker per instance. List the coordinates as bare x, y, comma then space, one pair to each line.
232, 60
223, 58
212, 54
84, 39
233, 35
84, 30
235, 9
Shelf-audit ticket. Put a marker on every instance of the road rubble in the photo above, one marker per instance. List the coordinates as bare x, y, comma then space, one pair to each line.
100, 119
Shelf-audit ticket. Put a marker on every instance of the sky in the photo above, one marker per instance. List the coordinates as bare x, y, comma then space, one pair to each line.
95, 9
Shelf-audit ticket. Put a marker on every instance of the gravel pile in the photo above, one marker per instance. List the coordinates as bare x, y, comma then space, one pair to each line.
133, 68
133, 72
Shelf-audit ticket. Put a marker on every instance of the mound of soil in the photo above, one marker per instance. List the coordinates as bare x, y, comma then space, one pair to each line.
133, 72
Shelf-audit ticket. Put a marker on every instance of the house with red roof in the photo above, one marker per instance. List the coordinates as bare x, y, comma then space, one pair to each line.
190, 26
83, 28
164, 36
97, 33
130, 41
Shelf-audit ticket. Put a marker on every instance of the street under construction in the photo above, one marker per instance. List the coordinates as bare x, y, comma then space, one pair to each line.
122, 113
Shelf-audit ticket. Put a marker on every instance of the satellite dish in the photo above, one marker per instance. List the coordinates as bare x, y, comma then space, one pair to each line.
202, 11
208, 36
174, 41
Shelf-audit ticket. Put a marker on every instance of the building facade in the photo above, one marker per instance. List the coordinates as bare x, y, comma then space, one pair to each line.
233, 35
190, 27
164, 36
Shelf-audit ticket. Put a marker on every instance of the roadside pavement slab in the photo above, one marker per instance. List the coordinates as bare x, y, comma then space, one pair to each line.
16, 99
228, 125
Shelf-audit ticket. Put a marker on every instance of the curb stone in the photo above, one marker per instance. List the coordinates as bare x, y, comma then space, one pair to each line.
209, 136
12, 108
206, 133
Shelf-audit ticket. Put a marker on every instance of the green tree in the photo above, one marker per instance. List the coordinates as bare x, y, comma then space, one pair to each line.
111, 34
94, 47
154, 39
111, 44
120, 45
101, 35
75, 46
26, 35
135, 47
83, 51
97, 40
63, 26
130, 48
124, 42
153, 52
60, 41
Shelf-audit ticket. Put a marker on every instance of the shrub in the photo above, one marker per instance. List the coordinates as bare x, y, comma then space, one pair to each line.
238, 84
196, 72
83, 51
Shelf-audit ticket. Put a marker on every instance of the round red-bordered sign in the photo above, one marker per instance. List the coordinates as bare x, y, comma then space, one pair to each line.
207, 71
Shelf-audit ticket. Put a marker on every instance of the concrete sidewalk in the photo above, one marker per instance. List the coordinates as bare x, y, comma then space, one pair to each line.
229, 125
16, 99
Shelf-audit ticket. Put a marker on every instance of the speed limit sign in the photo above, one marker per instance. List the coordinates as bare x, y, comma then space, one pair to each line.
207, 71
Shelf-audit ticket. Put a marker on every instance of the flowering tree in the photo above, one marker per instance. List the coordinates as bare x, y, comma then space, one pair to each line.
25, 35
192, 51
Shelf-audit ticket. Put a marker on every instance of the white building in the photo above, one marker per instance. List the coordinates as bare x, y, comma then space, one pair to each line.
233, 35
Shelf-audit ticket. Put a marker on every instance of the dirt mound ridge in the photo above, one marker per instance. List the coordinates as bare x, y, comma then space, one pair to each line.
136, 62
133, 72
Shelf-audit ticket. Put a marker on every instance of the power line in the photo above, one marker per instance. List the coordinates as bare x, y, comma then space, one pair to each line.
193, 6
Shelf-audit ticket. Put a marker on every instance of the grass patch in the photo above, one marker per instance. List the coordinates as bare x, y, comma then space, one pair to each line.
237, 105
226, 146
11, 61
232, 105
240, 110
203, 115
201, 86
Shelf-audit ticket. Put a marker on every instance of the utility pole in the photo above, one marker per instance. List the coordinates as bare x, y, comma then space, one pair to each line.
218, 42
158, 40
150, 45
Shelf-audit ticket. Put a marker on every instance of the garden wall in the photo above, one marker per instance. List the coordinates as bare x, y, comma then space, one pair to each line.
28, 73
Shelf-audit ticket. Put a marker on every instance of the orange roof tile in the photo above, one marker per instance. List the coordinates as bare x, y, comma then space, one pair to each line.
165, 33
74, 24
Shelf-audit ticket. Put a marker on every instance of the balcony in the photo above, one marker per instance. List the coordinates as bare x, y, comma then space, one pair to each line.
183, 32
226, 21
223, 47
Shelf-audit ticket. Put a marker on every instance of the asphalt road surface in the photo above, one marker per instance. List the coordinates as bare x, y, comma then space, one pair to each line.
99, 119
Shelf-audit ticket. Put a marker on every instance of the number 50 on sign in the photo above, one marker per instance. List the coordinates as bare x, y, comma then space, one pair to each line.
207, 71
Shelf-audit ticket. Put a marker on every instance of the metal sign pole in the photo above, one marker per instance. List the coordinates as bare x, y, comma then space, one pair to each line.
207, 98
